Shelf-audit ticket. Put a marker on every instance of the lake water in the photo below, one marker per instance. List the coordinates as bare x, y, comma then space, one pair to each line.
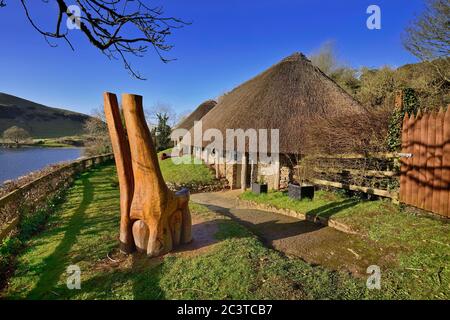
18, 162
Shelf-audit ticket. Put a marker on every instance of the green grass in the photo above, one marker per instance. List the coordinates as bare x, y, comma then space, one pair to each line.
85, 229
238, 266
325, 204
186, 173
419, 244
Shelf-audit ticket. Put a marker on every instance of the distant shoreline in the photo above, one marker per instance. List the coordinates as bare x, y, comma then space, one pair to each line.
61, 142
37, 145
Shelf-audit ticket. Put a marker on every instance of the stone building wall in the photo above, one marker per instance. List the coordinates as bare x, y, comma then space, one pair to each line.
267, 174
231, 174
285, 177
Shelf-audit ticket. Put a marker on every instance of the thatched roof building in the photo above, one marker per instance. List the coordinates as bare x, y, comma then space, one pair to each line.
196, 115
283, 97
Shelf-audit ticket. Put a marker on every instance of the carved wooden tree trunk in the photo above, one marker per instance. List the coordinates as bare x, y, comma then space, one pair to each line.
122, 156
158, 218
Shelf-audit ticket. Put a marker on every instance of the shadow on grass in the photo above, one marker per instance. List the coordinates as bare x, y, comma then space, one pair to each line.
271, 226
54, 265
332, 208
139, 277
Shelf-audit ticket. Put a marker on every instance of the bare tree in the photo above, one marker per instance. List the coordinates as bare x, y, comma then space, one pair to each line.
118, 28
161, 108
428, 37
16, 134
325, 58
97, 136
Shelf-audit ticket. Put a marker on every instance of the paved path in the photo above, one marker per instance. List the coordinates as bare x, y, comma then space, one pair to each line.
316, 244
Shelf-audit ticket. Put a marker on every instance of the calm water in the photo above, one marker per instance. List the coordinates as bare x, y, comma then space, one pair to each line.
18, 162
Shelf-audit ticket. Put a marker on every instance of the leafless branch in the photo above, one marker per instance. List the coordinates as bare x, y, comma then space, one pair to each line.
118, 28
428, 37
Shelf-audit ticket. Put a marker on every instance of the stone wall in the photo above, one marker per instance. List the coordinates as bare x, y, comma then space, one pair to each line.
285, 177
231, 175
267, 174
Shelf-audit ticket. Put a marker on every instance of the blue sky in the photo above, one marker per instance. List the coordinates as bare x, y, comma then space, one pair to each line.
228, 42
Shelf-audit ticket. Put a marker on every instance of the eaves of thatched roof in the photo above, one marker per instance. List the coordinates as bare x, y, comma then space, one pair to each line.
196, 115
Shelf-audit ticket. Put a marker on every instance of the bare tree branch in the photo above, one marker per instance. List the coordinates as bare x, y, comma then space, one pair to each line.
119, 28
428, 37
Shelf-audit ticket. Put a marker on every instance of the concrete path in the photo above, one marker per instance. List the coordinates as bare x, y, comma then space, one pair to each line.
316, 244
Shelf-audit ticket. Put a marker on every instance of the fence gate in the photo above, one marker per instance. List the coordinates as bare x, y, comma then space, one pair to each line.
425, 175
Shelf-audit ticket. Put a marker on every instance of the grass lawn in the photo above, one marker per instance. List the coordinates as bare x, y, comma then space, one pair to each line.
419, 243
85, 230
235, 265
186, 173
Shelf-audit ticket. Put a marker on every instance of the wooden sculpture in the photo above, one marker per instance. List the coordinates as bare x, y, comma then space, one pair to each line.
153, 219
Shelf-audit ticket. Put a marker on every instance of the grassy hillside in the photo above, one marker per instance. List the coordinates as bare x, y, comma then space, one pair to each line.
39, 120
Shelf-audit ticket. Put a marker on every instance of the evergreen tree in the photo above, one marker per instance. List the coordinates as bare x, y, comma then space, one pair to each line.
163, 131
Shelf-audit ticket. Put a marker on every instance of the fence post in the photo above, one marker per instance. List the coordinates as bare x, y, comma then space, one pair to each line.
437, 164
446, 161
404, 166
431, 144
409, 161
416, 160
422, 170
443, 193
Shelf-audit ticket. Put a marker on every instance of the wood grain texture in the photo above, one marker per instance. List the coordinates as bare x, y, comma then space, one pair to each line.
122, 156
164, 213
446, 163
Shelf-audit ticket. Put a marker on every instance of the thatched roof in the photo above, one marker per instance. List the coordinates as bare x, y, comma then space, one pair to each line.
196, 115
282, 97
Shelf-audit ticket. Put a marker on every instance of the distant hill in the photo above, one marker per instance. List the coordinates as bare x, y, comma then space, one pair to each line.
39, 120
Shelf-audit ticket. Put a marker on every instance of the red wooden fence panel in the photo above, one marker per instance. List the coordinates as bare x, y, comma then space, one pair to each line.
425, 177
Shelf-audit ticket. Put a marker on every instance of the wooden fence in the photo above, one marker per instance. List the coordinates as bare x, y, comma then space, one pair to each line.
425, 176
39, 189
370, 173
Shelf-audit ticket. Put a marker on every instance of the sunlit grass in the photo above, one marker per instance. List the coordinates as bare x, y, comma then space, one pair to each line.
85, 229
419, 244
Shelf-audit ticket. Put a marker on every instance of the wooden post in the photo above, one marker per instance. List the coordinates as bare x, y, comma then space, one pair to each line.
446, 165
422, 169
122, 158
431, 141
404, 166
416, 161
440, 172
409, 161
244, 172
252, 172
446, 159
216, 165
437, 164
276, 185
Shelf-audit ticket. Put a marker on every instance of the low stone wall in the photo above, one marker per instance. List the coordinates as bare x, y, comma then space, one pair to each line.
32, 194
330, 222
